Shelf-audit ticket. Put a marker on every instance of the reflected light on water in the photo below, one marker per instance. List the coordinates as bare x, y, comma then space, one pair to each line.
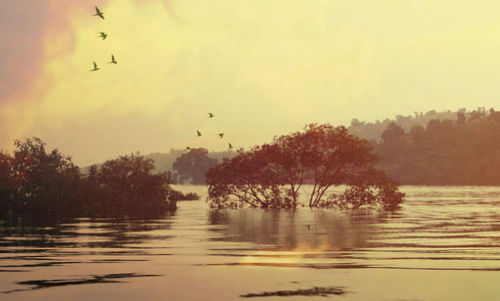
444, 243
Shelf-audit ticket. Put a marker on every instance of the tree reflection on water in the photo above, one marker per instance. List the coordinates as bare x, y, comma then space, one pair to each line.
297, 230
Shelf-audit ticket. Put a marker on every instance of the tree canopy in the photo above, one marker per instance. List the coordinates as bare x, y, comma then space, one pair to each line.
37, 182
127, 184
272, 175
193, 165
460, 151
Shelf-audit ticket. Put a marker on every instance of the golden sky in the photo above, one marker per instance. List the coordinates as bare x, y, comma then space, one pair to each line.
263, 67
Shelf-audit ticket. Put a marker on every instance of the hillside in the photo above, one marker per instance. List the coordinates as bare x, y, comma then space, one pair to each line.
374, 130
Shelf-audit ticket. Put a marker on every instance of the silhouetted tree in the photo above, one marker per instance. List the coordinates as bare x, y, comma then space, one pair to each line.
446, 152
6, 185
245, 180
37, 183
44, 182
127, 186
460, 118
272, 175
194, 165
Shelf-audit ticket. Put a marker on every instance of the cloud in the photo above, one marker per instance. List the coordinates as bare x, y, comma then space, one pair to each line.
21, 30
32, 32
264, 67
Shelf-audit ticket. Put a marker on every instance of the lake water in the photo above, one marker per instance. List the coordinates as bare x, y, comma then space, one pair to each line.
444, 244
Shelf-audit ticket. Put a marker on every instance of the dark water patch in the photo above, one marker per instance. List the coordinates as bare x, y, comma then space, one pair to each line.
450, 246
293, 255
347, 266
352, 257
92, 279
116, 260
293, 265
109, 253
315, 291
233, 249
24, 257
42, 264
23, 251
434, 237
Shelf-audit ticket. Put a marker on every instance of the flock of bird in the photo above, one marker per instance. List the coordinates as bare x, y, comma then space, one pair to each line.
221, 135
103, 36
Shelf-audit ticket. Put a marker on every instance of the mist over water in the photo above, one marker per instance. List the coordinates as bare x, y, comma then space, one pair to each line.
444, 243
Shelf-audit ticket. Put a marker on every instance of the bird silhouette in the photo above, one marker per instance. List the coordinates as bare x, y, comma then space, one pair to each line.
188, 148
103, 35
113, 60
210, 115
221, 135
99, 13
95, 67
198, 133
230, 146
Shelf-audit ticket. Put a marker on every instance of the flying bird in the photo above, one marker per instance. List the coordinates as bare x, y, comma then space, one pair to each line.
95, 67
113, 60
198, 133
230, 146
221, 135
188, 148
103, 35
98, 13
210, 115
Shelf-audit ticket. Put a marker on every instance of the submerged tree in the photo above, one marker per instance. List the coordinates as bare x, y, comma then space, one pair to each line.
35, 182
127, 186
272, 175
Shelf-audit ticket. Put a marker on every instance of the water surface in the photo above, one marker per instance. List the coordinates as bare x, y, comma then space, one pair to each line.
444, 244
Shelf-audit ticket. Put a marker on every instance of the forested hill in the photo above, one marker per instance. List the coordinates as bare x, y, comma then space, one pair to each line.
464, 150
374, 130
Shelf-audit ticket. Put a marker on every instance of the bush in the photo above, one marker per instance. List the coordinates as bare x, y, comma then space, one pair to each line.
127, 186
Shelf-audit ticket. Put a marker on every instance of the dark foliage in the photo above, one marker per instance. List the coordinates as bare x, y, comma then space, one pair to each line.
34, 182
127, 186
459, 151
271, 175
193, 165
179, 196
39, 182
374, 130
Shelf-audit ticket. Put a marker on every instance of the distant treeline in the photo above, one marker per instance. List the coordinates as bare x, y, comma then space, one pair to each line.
374, 130
463, 150
37, 182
